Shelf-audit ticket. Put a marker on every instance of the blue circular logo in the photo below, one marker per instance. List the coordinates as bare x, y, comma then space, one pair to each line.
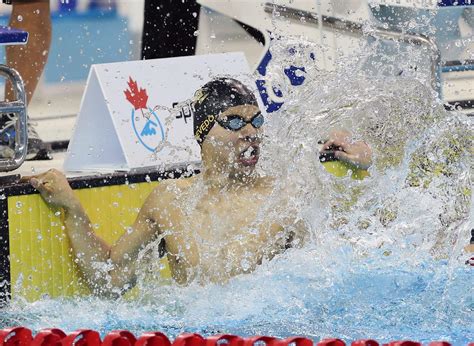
148, 128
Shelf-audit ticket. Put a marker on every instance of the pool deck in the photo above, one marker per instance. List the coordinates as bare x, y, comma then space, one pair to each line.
53, 113
35, 167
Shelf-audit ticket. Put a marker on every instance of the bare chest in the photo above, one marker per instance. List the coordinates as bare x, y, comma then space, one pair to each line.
221, 237
215, 222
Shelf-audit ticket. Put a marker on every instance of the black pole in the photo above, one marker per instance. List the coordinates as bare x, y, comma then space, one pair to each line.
169, 28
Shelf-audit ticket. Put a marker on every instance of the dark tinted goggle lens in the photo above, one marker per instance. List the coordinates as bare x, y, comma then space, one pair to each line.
258, 121
235, 122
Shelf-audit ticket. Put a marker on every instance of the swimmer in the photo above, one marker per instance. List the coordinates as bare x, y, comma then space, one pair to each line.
225, 233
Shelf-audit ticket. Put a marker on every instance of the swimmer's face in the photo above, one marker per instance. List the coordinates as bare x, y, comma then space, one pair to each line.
235, 150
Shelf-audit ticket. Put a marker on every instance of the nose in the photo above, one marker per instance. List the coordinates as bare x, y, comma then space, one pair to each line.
248, 132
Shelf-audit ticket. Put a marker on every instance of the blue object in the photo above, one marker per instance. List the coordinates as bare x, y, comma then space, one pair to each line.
295, 74
82, 39
12, 36
455, 3
149, 129
67, 5
147, 135
457, 68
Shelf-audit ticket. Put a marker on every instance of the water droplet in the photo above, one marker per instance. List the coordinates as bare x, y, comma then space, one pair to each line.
2, 197
245, 264
19, 204
19, 18
58, 213
45, 52
196, 33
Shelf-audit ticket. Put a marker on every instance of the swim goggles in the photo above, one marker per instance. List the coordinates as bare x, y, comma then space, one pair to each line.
236, 122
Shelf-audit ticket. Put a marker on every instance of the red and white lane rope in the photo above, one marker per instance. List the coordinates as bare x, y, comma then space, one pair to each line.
21, 336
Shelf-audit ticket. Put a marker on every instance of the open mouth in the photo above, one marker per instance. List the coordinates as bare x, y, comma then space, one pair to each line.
249, 156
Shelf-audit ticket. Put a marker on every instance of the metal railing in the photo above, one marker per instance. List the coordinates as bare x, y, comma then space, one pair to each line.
17, 109
357, 29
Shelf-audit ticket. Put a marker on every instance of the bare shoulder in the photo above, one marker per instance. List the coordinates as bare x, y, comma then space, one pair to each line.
165, 195
169, 189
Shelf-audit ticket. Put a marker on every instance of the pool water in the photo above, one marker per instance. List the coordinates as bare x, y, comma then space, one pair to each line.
385, 259
299, 293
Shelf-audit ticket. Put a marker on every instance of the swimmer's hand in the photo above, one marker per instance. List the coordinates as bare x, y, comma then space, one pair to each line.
54, 188
344, 148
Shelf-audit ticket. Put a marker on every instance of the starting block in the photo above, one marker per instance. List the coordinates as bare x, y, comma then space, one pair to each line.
17, 108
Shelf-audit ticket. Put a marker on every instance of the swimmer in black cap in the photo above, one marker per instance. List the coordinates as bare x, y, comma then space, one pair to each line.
231, 147
215, 225
215, 98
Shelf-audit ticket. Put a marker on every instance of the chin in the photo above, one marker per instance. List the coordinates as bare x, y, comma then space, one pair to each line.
245, 170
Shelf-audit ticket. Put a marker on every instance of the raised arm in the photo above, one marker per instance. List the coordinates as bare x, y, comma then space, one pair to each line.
344, 148
109, 270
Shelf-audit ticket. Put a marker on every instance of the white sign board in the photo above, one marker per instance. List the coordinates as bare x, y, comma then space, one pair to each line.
137, 114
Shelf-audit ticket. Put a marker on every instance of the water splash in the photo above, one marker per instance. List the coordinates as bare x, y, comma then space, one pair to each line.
385, 258
300, 292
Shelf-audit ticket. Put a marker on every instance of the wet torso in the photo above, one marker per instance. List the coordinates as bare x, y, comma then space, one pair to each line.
212, 235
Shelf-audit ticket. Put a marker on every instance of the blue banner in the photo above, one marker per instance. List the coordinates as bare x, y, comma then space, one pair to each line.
455, 2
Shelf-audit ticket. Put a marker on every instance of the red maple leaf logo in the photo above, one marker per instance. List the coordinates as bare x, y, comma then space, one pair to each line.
137, 97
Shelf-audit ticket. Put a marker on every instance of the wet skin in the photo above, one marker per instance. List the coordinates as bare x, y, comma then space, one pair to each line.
226, 232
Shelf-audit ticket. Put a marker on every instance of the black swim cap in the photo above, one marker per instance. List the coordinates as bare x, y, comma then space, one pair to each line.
216, 97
